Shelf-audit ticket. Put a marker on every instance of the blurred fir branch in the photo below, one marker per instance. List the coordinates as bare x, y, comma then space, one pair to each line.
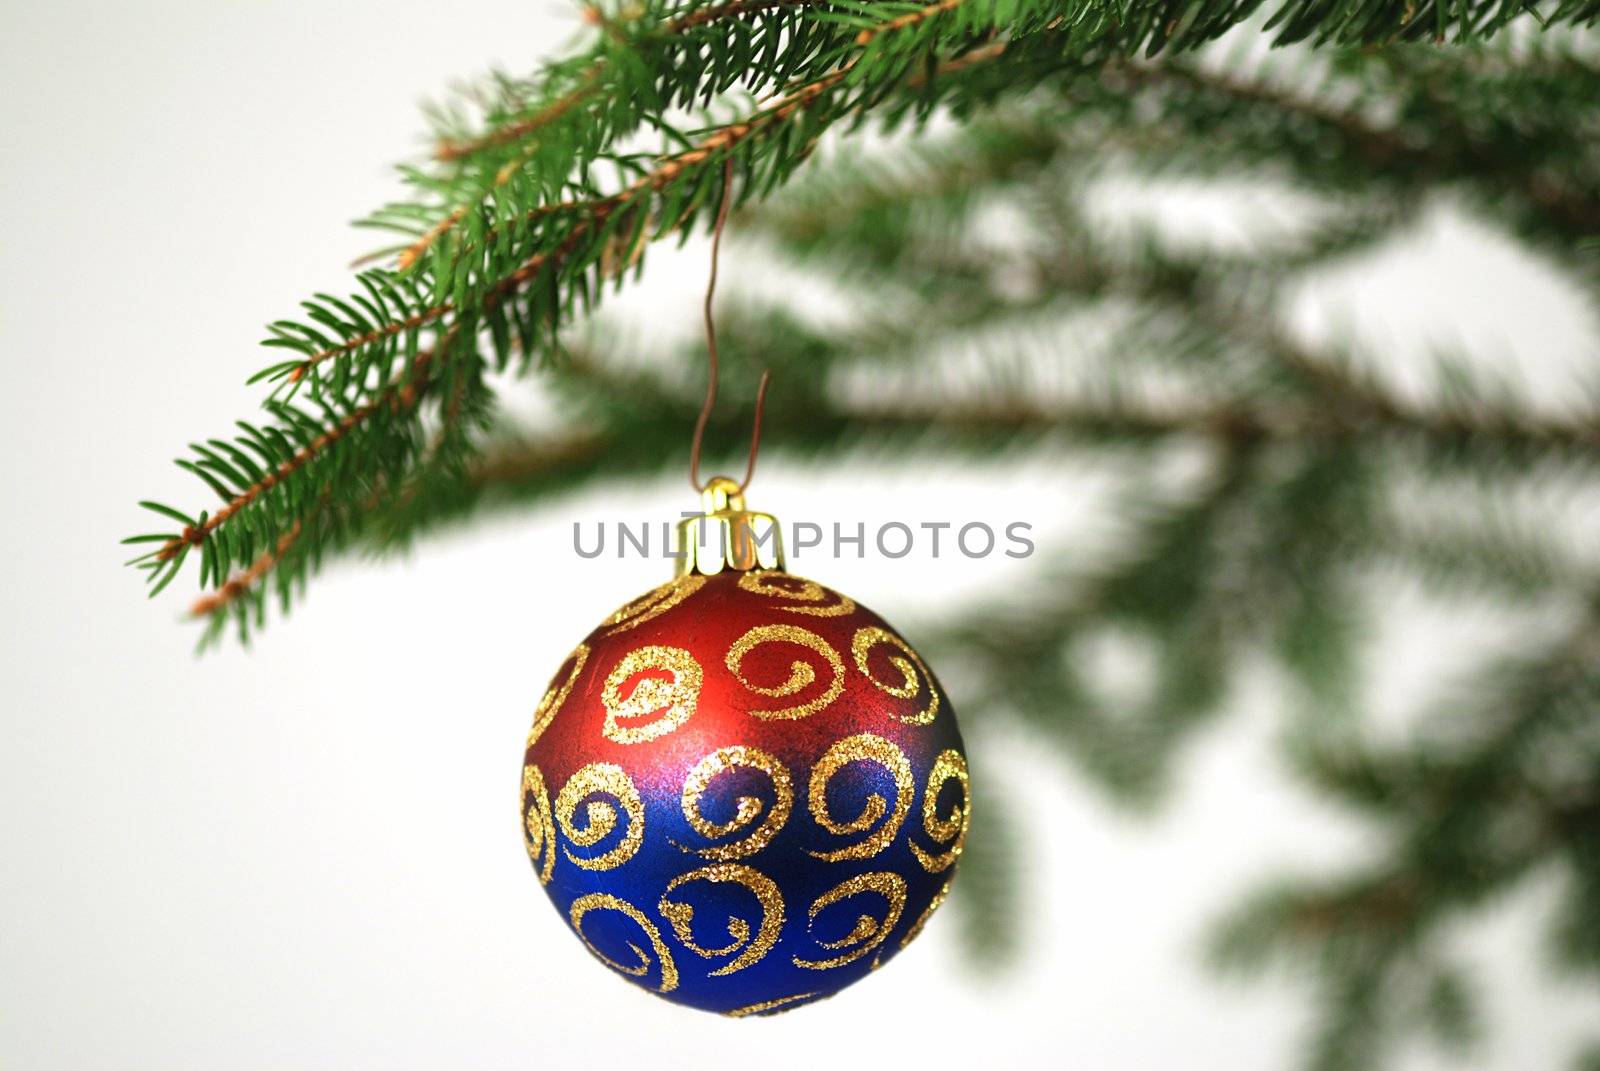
967, 240
1505, 781
526, 220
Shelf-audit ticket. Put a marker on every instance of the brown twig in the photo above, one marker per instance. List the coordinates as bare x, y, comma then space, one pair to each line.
413, 252
599, 210
867, 36
448, 151
979, 55
194, 535
241, 584
1284, 423
1376, 145
420, 319
590, 83
1343, 420
729, 136
456, 150
399, 395
515, 464
730, 10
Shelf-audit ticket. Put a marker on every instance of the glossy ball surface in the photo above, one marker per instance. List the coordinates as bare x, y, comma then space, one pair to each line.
744, 792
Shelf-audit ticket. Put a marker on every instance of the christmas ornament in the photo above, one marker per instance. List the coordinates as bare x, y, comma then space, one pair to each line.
744, 791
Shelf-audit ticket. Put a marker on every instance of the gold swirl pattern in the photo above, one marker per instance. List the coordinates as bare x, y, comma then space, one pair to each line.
949, 766
673, 700
604, 779
922, 919
800, 673
538, 824
909, 667
780, 585
746, 808
557, 694
864, 747
583, 905
653, 603
767, 1007
869, 932
681, 915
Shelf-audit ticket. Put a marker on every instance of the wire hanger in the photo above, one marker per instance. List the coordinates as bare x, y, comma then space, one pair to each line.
711, 355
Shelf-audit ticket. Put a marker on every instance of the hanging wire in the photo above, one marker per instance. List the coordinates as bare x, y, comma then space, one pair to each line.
711, 355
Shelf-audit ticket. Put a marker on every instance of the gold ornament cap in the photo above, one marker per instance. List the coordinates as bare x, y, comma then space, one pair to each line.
725, 535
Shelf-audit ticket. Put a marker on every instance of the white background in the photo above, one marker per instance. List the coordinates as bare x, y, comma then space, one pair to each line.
306, 855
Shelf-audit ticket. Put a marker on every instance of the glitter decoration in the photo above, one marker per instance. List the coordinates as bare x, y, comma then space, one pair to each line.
910, 667
583, 905
740, 805
746, 808
915, 929
948, 767
557, 693
779, 585
672, 700
869, 932
604, 779
800, 673
767, 1007
652, 604
538, 825
765, 890
865, 747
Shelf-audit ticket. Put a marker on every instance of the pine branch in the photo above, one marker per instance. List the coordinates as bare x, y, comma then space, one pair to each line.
362, 360
1476, 811
591, 84
1383, 149
509, 268
399, 396
909, 19
521, 128
521, 237
237, 587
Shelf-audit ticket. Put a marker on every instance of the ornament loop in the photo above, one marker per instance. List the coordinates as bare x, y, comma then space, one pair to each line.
725, 535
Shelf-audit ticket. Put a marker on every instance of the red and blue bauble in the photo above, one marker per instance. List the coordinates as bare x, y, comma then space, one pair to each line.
744, 791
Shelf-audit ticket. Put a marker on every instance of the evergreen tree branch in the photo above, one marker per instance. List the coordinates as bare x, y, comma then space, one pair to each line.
243, 584
518, 263
706, 15
593, 214
909, 19
590, 84
1474, 817
512, 132
1383, 149
397, 397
